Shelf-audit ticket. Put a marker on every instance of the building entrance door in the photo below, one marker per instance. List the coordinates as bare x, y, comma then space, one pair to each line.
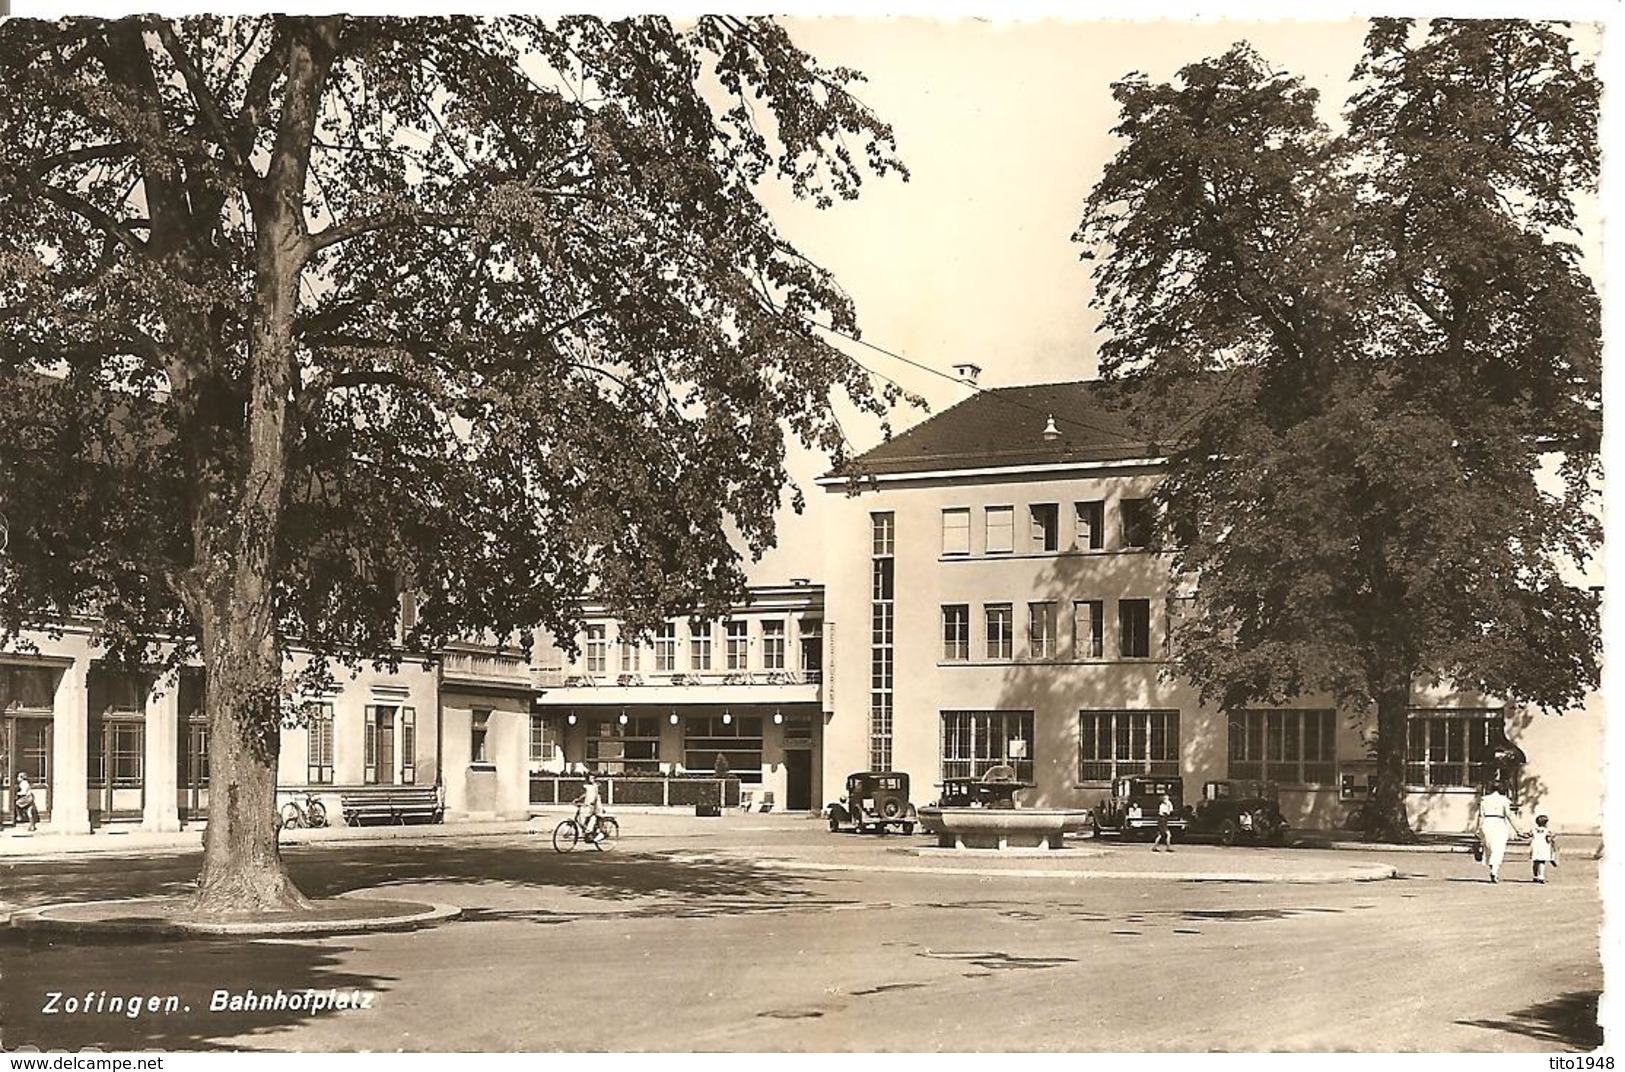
380, 745
798, 781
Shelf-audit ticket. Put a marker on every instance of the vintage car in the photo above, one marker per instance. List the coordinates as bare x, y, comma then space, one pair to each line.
1244, 811
997, 788
874, 801
1131, 811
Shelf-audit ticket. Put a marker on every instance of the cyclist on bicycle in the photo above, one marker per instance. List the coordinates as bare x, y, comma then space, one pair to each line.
589, 808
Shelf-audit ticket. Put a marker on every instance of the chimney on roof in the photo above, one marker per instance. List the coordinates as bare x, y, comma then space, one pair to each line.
1051, 433
967, 373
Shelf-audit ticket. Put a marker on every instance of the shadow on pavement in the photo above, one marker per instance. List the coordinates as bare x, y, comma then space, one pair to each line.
70, 996
1570, 1020
617, 876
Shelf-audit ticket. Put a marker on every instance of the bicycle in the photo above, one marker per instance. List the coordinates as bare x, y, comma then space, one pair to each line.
297, 814
569, 833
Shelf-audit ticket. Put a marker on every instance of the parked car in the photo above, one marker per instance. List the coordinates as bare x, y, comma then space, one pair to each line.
1131, 811
997, 788
1239, 811
874, 801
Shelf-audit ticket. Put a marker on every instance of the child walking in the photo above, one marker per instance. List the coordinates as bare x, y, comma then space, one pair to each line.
1542, 848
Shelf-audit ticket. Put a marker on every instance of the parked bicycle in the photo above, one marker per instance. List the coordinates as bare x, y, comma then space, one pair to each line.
569, 833
299, 814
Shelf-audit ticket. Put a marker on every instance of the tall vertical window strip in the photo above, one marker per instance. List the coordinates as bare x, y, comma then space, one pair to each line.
1041, 630
999, 640
1091, 525
882, 625
1134, 628
1088, 629
772, 645
597, 645
974, 742
956, 532
738, 645
629, 652
1001, 529
1287, 745
1118, 742
666, 647
955, 633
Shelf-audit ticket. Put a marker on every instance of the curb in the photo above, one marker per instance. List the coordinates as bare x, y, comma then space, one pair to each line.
39, 920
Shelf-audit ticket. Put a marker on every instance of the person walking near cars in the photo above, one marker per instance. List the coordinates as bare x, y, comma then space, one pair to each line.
1542, 848
26, 808
1165, 835
1495, 828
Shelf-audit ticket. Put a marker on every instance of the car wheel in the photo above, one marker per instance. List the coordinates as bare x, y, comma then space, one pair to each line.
1227, 832
908, 828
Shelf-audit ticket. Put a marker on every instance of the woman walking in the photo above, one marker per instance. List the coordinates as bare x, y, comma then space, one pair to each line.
1495, 828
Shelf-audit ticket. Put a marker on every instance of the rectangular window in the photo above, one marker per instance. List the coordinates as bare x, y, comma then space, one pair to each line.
666, 647
772, 645
974, 742
479, 730
629, 652
1455, 748
734, 740
999, 631
699, 645
629, 747
1137, 518
1040, 630
1044, 526
1091, 533
128, 749
1001, 529
812, 646
1088, 629
544, 742
597, 648
885, 580
955, 632
883, 528
956, 531
738, 644
1115, 743
319, 746
1284, 745
1134, 628
409, 745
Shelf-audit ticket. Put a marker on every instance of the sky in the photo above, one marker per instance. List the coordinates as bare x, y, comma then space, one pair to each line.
1005, 126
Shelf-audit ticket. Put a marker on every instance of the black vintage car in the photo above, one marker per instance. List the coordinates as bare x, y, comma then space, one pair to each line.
874, 801
1239, 811
1131, 811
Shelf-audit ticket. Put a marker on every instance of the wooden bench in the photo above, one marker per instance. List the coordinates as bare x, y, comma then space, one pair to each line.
395, 804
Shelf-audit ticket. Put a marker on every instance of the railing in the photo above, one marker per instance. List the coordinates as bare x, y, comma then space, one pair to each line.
483, 666
573, 679
655, 790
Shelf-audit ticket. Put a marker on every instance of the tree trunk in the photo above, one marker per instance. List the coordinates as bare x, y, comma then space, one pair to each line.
243, 869
1386, 818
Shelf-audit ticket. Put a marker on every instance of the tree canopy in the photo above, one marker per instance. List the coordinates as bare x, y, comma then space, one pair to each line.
1358, 350
543, 333
296, 312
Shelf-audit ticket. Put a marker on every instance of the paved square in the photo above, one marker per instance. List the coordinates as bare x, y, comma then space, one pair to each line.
682, 940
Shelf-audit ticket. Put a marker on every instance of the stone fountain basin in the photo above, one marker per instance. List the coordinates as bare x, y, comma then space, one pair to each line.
1002, 828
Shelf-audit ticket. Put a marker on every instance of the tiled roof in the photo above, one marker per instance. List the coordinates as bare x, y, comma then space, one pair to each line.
1004, 426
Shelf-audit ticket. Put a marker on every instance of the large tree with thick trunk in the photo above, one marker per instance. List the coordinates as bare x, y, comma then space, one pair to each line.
295, 312
1360, 352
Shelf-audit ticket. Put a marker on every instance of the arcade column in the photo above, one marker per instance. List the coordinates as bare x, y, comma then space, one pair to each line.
160, 809
70, 808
